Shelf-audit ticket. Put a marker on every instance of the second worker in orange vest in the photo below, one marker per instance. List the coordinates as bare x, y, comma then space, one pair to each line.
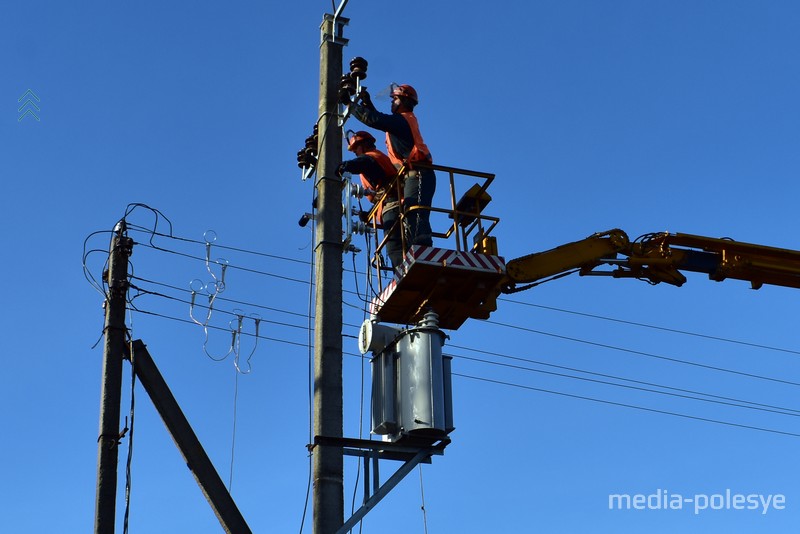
377, 172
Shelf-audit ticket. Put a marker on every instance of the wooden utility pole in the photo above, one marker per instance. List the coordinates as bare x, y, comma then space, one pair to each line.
114, 349
328, 462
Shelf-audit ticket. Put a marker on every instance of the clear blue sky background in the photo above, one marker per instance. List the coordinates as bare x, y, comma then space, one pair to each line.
647, 116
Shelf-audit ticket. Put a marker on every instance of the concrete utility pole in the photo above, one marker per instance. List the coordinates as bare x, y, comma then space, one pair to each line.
328, 463
114, 350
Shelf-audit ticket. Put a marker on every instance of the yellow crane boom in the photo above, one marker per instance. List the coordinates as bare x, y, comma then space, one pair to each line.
658, 257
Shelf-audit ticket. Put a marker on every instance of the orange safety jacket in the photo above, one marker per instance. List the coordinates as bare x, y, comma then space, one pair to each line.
420, 150
380, 188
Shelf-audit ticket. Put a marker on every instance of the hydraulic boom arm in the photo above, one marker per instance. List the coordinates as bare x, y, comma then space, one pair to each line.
658, 257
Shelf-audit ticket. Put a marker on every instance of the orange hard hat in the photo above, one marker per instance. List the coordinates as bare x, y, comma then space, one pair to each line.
359, 137
406, 91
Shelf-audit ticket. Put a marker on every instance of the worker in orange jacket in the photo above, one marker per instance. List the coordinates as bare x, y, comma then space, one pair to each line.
405, 146
377, 172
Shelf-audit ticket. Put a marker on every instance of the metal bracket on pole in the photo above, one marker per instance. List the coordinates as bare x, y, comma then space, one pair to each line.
349, 209
343, 116
306, 172
373, 451
338, 24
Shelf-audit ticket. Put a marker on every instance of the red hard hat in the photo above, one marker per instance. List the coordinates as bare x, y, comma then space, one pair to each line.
360, 137
406, 91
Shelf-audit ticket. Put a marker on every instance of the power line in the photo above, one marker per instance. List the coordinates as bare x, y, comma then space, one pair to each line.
246, 269
187, 321
647, 354
529, 361
355, 271
605, 401
360, 308
100, 287
625, 405
653, 327
224, 299
225, 247
518, 302
226, 312
234, 301
560, 393
310, 356
510, 326
230, 266
737, 404
614, 377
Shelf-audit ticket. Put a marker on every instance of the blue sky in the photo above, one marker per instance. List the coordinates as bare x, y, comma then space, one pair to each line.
646, 116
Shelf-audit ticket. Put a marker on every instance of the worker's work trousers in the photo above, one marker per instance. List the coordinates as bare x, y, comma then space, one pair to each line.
394, 243
418, 191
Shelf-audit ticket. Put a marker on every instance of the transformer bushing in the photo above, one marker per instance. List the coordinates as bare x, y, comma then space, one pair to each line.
411, 380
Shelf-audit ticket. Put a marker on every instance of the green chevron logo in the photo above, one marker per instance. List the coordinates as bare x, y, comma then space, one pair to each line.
28, 106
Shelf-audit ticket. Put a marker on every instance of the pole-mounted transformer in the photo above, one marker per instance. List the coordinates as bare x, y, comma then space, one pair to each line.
411, 380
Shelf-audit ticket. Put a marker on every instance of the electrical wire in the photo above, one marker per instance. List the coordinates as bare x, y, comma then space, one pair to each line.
310, 346
223, 299
131, 414
540, 389
129, 459
236, 332
86, 253
422, 496
722, 400
230, 266
186, 321
233, 432
310, 343
242, 303
646, 354
219, 310
361, 404
610, 402
618, 348
614, 377
780, 411
653, 327
354, 306
225, 247
238, 345
675, 360
132, 207
635, 352
625, 405
100, 288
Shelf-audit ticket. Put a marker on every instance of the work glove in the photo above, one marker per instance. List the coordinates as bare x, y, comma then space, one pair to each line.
340, 169
366, 100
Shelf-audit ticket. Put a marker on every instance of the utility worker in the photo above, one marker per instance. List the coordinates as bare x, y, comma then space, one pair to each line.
405, 146
377, 172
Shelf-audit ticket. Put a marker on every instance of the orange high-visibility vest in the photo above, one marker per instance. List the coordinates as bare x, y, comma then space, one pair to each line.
388, 169
420, 150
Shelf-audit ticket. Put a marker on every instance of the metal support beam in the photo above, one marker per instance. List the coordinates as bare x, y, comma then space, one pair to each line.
412, 453
378, 495
192, 451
